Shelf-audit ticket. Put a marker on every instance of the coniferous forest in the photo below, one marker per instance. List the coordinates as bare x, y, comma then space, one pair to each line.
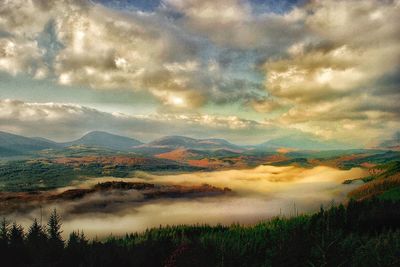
365, 233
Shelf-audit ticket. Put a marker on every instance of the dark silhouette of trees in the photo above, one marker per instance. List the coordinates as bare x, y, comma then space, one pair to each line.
36, 236
16, 235
55, 243
4, 235
54, 230
359, 234
76, 249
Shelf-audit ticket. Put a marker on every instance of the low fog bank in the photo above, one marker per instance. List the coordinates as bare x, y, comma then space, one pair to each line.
259, 193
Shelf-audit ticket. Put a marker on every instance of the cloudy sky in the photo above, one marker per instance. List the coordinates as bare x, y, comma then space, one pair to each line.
244, 70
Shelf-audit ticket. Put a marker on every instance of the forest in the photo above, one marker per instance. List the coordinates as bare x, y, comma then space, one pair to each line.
360, 233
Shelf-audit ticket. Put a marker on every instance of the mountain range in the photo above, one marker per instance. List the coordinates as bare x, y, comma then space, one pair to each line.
13, 145
302, 143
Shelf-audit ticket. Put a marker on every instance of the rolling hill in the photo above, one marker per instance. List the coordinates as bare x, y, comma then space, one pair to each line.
13, 145
165, 147
300, 143
171, 143
105, 140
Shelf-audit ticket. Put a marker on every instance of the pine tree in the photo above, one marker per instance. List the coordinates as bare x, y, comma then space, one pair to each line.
73, 240
36, 236
4, 232
17, 253
36, 241
16, 236
76, 249
54, 229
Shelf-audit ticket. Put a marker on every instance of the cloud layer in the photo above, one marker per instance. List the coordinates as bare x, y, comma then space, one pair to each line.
259, 193
67, 121
328, 68
347, 78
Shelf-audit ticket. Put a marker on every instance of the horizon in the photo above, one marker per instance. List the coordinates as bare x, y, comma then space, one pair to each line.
339, 146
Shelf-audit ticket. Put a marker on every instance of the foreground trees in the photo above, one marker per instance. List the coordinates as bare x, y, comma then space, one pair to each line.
360, 234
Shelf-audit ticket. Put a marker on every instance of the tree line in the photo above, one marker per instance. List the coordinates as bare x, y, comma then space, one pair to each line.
363, 233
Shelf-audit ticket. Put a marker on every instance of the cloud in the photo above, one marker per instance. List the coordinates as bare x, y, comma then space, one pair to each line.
100, 48
18, 56
135, 51
67, 121
333, 85
81, 43
234, 23
267, 105
259, 193
329, 66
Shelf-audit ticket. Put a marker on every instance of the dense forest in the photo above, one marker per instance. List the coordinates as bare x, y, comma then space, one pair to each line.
362, 233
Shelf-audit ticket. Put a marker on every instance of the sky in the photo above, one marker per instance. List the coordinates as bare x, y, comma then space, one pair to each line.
244, 70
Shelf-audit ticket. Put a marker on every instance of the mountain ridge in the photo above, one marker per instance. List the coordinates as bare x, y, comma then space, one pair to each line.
12, 144
105, 140
167, 144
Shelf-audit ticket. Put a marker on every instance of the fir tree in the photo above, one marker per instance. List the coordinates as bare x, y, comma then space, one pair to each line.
54, 229
16, 235
4, 232
36, 236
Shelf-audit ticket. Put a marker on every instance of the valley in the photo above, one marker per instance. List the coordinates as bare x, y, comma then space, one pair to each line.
176, 180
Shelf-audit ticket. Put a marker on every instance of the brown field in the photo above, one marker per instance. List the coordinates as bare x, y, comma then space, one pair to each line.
179, 154
207, 163
337, 162
122, 160
276, 158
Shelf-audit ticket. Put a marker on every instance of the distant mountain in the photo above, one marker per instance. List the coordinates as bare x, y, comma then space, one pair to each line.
301, 143
105, 140
12, 144
170, 143
46, 140
393, 143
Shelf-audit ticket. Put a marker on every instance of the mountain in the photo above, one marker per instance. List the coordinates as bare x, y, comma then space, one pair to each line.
393, 143
170, 143
105, 140
12, 144
301, 143
45, 140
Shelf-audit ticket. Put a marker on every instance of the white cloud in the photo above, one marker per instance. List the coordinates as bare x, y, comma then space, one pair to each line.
233, 23
101, 48
330, 66
333, 87
24, 56
67, 121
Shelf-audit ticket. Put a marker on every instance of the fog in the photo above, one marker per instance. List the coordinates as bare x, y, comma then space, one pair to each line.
258, 194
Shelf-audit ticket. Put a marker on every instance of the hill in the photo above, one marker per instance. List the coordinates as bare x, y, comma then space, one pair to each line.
393, 143
300, 143
171, 143
13, 145
105, 140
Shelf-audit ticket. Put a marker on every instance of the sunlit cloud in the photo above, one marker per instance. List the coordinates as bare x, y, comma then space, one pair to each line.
333, 84
66, 121
322, 67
